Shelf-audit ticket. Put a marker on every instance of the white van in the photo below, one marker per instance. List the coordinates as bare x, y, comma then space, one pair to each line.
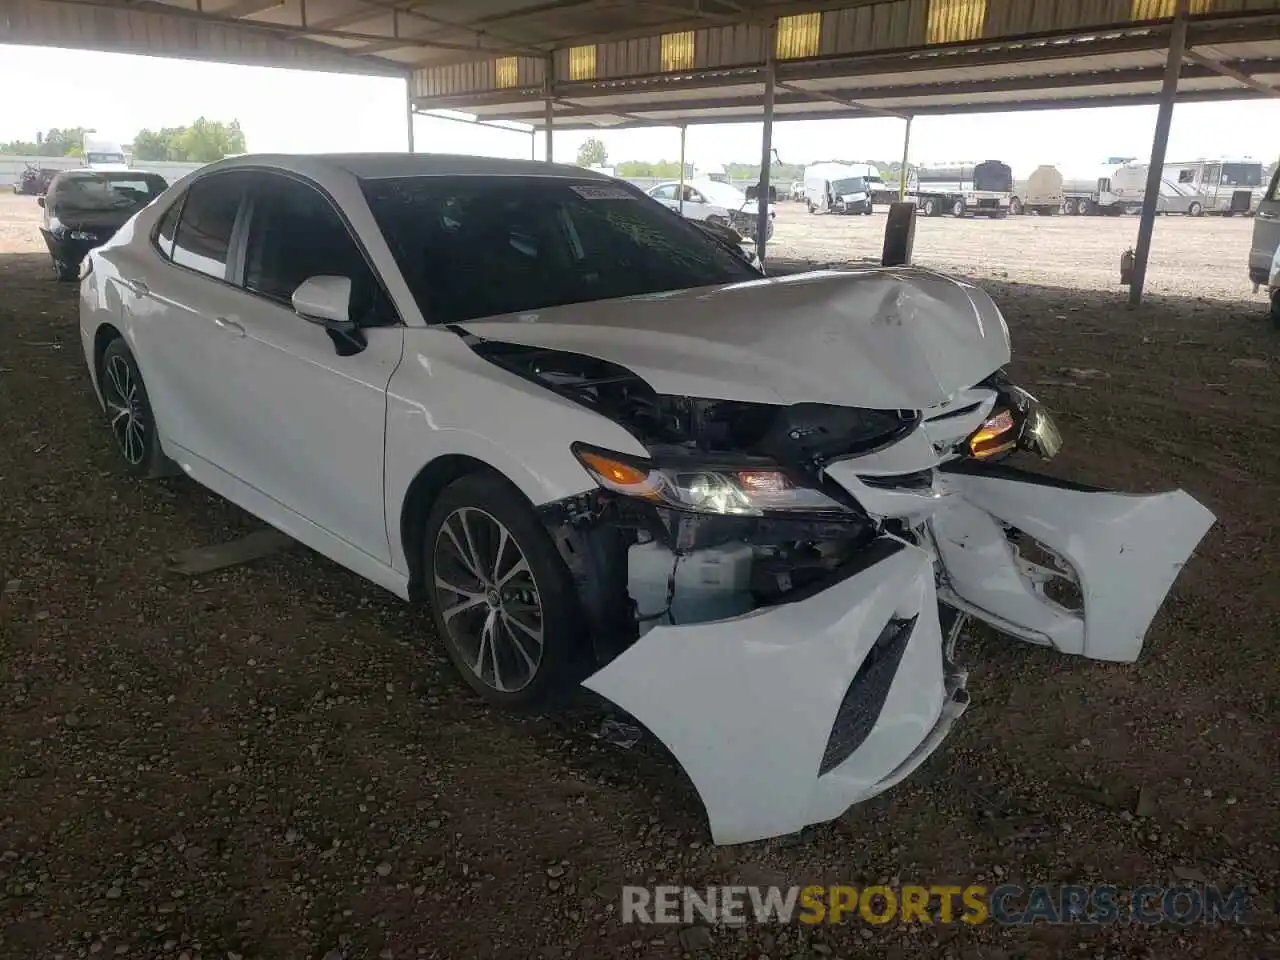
103, 154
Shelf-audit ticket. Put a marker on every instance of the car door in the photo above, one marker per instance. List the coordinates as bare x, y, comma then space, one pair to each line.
311, 402
1266, 232
177, 299
666, 195
695, 206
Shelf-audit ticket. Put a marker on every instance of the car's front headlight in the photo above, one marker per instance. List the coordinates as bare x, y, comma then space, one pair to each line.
712, 487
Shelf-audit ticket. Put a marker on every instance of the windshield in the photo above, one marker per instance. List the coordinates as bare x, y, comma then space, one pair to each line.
473, 247
851, 185
722, 194
1242, 174
104, 157
107, 191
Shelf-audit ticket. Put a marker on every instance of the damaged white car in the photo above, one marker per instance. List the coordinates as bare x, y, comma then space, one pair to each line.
606, 450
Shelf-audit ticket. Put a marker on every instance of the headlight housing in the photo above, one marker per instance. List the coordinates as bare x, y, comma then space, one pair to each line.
711, 487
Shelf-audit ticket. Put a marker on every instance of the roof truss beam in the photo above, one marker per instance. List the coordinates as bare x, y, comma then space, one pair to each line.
1231, 73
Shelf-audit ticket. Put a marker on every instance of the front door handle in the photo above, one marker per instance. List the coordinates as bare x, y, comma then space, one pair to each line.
138, 287
229, 325
1266, 214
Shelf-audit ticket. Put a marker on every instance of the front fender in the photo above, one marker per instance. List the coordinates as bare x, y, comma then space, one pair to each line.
445, 400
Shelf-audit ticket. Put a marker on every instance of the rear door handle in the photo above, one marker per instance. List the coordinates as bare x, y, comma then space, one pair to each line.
230, 326
138, 287
1266, 214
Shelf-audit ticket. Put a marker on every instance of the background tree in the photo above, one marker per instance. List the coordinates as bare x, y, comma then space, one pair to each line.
56, 142
202, 142
593, 153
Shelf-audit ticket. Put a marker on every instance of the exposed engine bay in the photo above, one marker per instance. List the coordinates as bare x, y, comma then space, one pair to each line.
642, 561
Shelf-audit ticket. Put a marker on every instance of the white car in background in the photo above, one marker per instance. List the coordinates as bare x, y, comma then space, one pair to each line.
750, 511
715, 202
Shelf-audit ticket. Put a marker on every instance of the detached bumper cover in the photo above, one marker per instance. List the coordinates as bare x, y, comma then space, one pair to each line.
759, 709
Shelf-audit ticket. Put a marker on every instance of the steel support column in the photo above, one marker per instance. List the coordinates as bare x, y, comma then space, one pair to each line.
683, 132
549, 120
1155, 172
548, 91
408, 109
766, 145
906, 153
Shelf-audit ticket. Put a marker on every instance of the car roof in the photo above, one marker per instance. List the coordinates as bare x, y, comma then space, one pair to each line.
377, 166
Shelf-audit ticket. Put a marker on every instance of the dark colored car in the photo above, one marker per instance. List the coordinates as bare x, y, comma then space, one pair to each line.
84, 208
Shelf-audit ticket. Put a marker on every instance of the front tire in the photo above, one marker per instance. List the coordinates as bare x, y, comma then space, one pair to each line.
1196, 210
958, 209
502, 600
133, 424
1275, 309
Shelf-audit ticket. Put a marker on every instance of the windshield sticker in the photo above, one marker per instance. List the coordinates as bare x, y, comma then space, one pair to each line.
603, 192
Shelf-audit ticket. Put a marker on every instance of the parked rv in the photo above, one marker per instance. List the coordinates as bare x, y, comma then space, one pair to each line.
1193, 188
842, 187
982, 189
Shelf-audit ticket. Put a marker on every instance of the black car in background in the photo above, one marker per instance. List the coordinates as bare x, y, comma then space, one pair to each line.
84, 208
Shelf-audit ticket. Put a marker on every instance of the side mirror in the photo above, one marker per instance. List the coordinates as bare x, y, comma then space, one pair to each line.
325, 300
40, 201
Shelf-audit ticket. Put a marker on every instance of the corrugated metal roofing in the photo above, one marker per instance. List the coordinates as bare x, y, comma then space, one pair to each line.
499, 58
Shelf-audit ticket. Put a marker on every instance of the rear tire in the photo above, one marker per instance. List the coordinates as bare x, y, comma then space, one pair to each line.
1275, 309
133, 422
502, 600
931, 207
1015, 207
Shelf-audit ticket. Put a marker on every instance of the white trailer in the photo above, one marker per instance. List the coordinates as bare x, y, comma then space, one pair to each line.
961, 189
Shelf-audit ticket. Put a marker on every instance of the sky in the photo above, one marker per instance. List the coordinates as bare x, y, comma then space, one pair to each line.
294, 111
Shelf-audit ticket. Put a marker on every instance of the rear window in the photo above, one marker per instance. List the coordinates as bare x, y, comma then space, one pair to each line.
106, 191
474, 247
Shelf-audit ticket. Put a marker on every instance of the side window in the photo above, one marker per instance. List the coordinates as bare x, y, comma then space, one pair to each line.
204, 229
295, 233
1186, 176
1275, 182
667, 192
168, 226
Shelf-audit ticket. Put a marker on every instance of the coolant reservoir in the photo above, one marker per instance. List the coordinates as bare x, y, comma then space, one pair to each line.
712, 584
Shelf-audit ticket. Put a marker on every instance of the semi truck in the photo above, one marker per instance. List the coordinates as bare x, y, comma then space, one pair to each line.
963, 189
103, 154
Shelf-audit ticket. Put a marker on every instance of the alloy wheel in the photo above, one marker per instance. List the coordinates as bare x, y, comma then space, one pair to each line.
488, 599
125, 405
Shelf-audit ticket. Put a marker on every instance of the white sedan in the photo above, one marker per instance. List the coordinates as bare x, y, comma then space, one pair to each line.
752, 512
714, 202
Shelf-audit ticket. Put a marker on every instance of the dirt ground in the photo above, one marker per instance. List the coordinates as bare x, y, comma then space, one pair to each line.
275, 761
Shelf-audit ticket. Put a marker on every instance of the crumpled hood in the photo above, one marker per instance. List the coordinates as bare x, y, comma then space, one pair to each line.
887, 338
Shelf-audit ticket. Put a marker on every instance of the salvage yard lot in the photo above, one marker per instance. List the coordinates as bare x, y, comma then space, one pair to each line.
275, 761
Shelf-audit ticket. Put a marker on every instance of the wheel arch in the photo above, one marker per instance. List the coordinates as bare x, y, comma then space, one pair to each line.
422, 493
102, 337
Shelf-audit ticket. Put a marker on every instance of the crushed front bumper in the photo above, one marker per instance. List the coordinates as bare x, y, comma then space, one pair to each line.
790, 714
